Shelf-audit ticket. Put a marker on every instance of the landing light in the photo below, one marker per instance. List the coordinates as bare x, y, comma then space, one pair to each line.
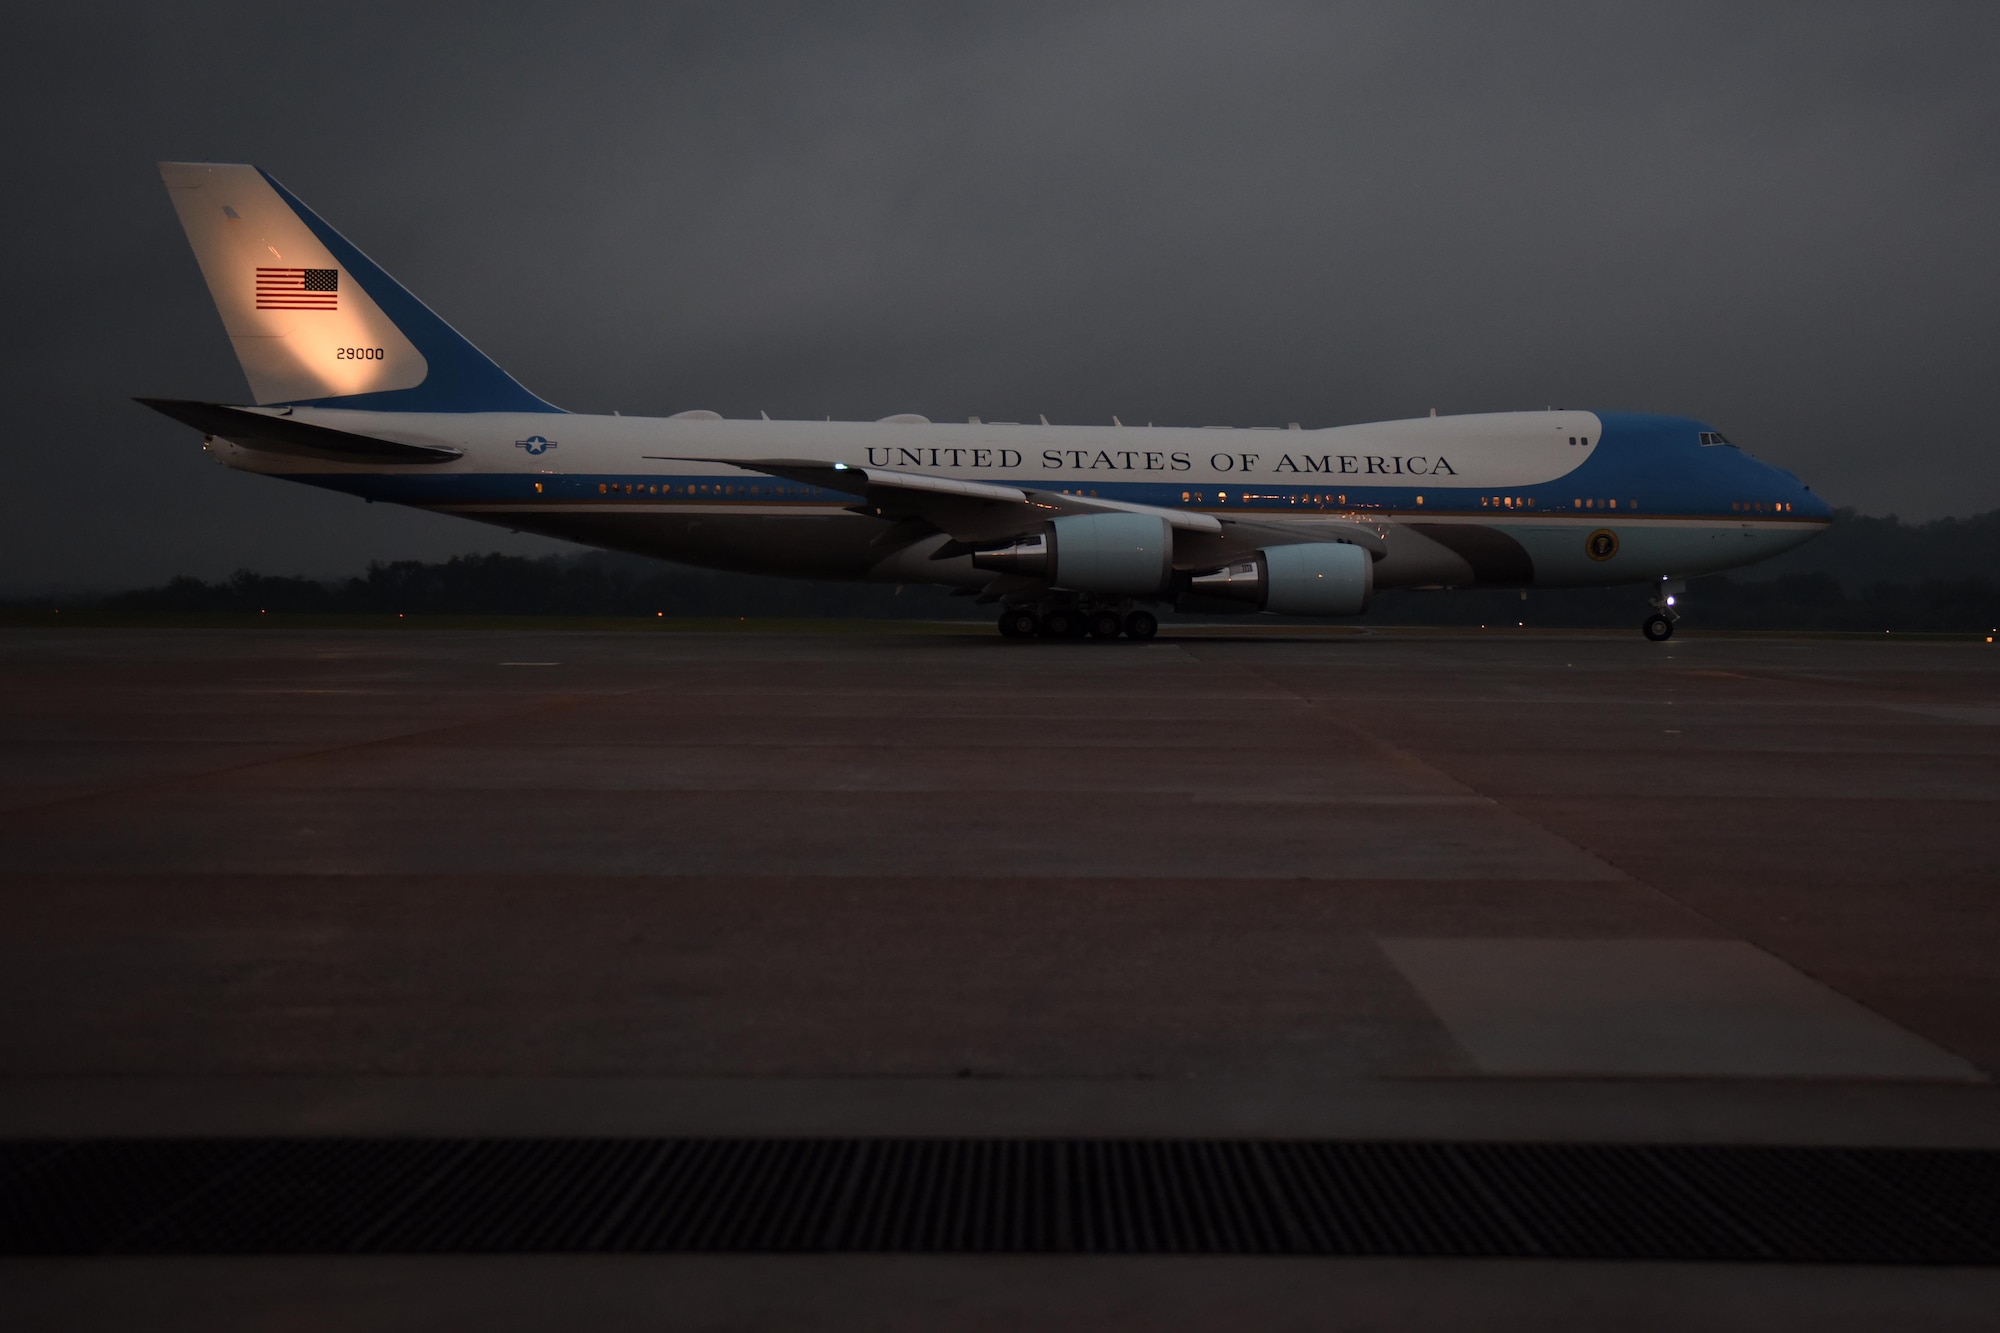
1670, 601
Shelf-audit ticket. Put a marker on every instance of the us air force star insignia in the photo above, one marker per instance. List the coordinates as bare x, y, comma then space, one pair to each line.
535, 444
1601, 544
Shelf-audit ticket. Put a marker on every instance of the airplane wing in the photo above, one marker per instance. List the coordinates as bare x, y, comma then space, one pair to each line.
970, 512
264, 428
977, 513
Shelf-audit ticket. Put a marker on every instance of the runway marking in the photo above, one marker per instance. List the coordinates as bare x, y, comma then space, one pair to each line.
1656, 1008
1977, 715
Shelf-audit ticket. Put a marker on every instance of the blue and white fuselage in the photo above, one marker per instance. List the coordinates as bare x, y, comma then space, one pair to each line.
362, 389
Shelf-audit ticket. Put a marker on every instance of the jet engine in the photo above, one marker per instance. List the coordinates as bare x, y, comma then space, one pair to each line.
1309, 579
1120, 555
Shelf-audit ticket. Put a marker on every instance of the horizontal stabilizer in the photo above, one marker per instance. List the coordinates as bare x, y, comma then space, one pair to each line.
284, 435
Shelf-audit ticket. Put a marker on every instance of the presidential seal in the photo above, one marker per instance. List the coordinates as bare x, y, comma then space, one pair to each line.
1601, 544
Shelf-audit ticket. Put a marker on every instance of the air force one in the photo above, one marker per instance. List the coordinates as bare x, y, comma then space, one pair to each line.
1069, 530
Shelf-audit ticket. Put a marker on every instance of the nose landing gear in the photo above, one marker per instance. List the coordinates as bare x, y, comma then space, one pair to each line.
1659, 626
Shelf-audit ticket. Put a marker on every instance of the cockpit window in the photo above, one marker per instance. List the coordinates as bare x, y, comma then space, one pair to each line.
1709, 437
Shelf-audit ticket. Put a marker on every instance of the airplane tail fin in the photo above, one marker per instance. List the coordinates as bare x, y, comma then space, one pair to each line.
314, 321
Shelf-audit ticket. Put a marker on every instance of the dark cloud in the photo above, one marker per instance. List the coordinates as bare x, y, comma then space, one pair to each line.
1781, 219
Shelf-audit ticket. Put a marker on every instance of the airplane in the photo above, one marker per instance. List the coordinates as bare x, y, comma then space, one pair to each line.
1071, 531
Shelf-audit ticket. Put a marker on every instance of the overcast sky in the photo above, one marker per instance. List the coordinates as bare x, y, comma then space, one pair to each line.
1781, 219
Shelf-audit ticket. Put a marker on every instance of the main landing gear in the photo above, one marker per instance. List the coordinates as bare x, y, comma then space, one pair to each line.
1102, 621
1659, 626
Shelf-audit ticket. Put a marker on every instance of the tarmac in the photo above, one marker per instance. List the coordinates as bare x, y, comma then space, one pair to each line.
915, 881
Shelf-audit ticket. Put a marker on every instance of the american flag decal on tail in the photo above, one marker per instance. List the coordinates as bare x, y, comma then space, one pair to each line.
298, 289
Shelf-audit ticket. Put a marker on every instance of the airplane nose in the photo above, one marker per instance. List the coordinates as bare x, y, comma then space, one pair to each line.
1798, 495
1812, 506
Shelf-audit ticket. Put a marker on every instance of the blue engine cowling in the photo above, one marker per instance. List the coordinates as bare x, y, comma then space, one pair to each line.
1309, 579
1117, 555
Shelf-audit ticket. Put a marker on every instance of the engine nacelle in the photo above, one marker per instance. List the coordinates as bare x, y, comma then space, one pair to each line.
1309, 579
1120, 555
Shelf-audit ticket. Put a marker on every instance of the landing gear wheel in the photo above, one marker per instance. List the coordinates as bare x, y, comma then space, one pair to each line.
1106, 624
1061, 623
1142, 625
1017, 622
1659, 629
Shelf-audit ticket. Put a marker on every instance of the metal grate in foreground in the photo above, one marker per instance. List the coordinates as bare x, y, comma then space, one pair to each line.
999, 1196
